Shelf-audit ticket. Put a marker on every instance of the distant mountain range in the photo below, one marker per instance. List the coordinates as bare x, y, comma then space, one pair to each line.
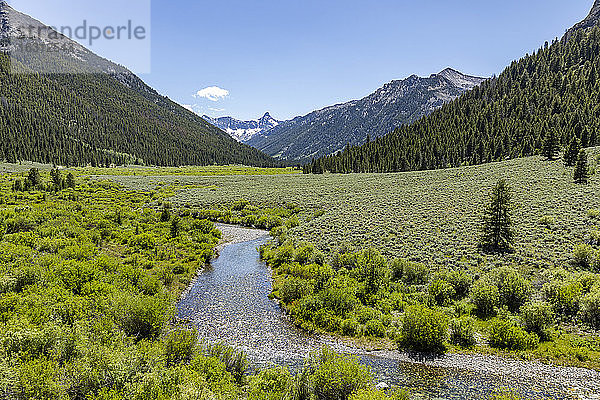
243, 131
329, 130
94, 111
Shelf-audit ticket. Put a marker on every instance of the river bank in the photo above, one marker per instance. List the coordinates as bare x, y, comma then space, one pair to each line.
229, 302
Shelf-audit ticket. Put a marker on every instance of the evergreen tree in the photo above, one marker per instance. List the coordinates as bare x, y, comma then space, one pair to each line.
582, 172
572, 152
34, 178
497, 229
551, 146
175, 226
165, 215
70, 182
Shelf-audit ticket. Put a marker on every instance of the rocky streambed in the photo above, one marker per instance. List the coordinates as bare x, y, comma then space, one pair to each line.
228, 302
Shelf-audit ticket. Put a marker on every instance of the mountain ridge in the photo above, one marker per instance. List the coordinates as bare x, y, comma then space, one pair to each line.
244, 131
96, 112
330, 129
553, 90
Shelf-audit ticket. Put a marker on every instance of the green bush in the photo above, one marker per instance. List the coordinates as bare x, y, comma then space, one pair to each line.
336, 377
514, 290
461, 281
374, 328
294, 288
583, 256
564, 296
269, 384
180, 346
590, 308
537, 318
486, 297
424, 329
441, 292
349, 327
505, 335
235, 361
409, 272
144, 316
340, 300
462, 332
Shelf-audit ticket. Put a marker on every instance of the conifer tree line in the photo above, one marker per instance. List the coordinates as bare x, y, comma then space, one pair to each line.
100, 119
537, 105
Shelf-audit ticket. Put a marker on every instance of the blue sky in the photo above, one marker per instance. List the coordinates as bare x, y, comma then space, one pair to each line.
290, 57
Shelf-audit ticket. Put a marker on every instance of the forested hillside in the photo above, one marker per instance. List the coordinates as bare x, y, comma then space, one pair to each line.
98, 113
555, 89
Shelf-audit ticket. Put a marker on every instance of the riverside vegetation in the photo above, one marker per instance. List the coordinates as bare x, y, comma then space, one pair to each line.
418, 277
89, 274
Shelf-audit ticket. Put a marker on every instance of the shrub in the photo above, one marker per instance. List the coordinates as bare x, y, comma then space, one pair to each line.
409, 272
547, 221
594, 213
374, 328
293, 289
441, 292
269, 384
180, 346
537, 318
485, 297
590, 308
144, 316
349, 327
305, 253
339, 300
461, 281
462, 332
235, 361
337, 376
424, 329
583, 256
513, 288
564, 296
506, 335
595, 237
367, 313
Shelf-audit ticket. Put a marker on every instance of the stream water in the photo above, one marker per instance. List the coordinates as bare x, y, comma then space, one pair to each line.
229, 303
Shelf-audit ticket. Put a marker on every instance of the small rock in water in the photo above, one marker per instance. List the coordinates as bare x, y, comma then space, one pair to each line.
382, 386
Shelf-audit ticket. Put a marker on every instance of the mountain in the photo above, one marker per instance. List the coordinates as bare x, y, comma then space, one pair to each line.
243, 131
589, 22
72, 107
557, 88
328, 130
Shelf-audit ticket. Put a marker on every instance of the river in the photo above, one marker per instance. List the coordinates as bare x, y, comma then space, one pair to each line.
228, 302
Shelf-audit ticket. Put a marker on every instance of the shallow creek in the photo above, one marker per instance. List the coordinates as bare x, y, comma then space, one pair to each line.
228, 302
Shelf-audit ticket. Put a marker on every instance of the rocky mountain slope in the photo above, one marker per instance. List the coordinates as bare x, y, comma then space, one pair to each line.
244, 131
94, 111
328, 130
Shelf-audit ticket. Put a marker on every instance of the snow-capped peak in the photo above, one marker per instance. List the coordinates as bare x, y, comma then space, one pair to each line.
243, 131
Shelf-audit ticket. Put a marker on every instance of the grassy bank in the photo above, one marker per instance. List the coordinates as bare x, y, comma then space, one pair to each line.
89, 273
423, 228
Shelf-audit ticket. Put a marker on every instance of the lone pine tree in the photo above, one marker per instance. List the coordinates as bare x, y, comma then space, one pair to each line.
572, 152
551, 145
582, 172
498, 235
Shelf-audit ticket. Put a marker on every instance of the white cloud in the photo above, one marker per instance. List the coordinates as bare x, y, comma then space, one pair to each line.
188, 106
216, 109
212, 93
